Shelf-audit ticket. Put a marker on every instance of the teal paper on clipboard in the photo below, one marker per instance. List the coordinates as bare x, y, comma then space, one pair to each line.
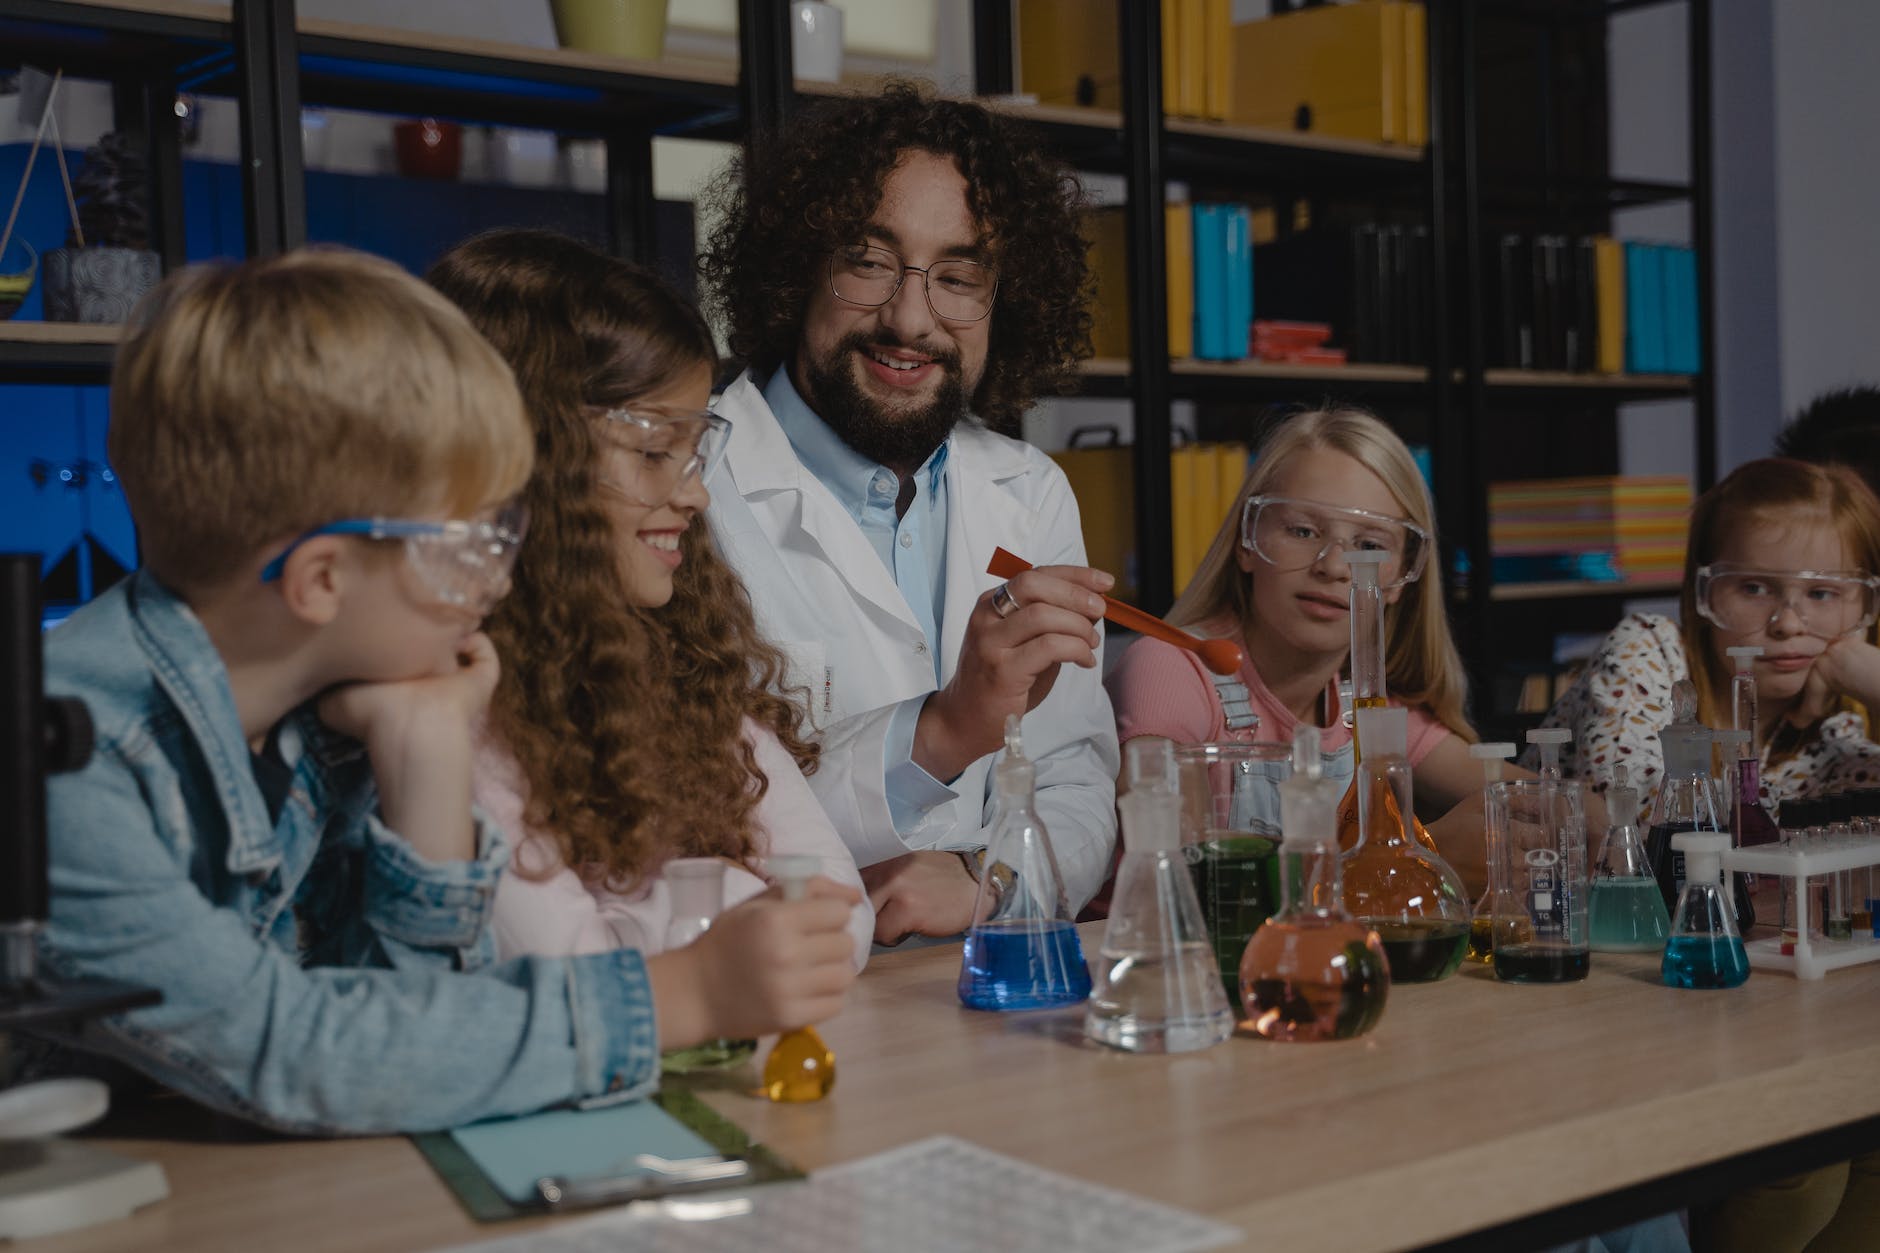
493, 1167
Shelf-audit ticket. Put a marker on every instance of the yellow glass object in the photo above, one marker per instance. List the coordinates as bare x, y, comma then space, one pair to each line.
800, 1067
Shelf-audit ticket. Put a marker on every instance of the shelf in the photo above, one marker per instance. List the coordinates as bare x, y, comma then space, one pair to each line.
57, 352
1231, 380
1581, 589
1273, 137
96, 40
1560, 385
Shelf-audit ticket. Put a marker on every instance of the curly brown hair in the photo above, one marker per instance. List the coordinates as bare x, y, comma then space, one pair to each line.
801, 192
626, 722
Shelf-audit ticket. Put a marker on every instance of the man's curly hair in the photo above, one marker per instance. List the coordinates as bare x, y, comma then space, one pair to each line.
797, 194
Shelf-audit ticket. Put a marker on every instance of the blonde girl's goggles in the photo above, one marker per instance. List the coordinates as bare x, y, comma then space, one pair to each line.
1292, 534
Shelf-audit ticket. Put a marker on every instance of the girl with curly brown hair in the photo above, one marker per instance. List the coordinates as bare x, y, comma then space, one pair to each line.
636, 720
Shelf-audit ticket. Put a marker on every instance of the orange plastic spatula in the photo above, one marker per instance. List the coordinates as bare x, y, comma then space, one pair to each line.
1220, 656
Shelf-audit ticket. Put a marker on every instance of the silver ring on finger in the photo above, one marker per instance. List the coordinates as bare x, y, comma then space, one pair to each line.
1003, 602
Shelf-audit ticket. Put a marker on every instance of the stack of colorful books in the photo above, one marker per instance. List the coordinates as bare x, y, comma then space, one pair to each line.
1606, 528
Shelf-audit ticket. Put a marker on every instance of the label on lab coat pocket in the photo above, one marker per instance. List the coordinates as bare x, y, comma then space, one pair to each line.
806, 668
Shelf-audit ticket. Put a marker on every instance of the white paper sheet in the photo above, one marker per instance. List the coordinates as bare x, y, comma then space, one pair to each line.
940, 1195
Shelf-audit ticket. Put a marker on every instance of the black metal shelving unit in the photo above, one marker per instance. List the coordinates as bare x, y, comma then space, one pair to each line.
272, 63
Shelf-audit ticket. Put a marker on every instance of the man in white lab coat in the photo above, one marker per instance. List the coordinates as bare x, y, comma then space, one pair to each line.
905, 277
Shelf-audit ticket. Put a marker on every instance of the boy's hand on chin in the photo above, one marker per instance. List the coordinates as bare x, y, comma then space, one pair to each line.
457, 696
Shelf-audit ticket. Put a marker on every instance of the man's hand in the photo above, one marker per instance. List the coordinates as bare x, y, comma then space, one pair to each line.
417, 734
928, 893
1007, 665
766, 965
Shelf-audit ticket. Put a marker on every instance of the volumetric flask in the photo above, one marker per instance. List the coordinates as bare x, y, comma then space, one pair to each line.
1494, 818
1230, 816
1157, 989
1025, 953
696, 888
1405, 892
1311, 972
1540, 930
1705, 950
800, 1066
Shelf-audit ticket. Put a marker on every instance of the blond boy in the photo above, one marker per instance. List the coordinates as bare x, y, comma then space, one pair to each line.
276, 830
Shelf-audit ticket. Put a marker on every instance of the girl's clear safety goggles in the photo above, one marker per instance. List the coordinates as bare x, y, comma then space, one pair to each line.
1829, 603
463, 563
1290, 534
663, 451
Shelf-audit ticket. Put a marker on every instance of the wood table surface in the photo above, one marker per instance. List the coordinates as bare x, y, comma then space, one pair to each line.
1473, 1105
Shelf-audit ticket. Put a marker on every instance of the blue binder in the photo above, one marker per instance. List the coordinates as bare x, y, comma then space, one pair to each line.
1644, 309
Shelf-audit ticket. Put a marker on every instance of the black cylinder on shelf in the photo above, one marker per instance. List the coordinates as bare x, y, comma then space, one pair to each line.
22, 743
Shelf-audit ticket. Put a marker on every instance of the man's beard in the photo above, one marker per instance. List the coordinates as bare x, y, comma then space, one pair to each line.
903, 439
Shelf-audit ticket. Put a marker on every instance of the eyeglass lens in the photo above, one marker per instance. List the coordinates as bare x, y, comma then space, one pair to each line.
959, 291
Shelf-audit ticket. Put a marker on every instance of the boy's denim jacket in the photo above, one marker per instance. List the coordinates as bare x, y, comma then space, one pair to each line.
318, 976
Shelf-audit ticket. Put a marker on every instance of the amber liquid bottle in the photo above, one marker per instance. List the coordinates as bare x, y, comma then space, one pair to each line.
1311, 973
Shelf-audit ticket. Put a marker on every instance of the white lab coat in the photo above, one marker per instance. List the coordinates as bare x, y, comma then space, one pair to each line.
821, 592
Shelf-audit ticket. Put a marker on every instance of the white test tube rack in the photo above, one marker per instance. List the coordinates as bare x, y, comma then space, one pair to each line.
1813, 956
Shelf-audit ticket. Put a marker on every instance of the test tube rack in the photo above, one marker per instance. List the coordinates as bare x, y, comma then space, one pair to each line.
1796, 863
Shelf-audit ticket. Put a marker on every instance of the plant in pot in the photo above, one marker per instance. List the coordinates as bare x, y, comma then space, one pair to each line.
107, 264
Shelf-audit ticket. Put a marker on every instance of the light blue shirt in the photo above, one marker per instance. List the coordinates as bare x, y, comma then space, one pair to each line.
912, 547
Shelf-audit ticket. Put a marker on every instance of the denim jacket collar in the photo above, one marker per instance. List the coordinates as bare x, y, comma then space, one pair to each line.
193, 675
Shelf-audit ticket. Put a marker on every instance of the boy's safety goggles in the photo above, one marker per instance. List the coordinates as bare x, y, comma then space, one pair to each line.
1291, 534
1829, 603
462, 563
662, 452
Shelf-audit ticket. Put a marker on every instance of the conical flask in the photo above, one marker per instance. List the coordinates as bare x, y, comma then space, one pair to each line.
1025, 953
1687, 798
1494, 824
696, 889
1705, 949
1367, 687
1311, 972
1405, 892
1157, 989
800, 1066
1628, 913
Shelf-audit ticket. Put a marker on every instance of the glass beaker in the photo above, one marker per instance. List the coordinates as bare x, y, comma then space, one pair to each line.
1540, 928
1705, 949
1230, 814
1024, 954
800, 1066
1627, 915
1312, 972
696, 888
1157, 988
1406, 893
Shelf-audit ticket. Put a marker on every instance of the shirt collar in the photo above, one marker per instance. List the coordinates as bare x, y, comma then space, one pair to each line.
846, 473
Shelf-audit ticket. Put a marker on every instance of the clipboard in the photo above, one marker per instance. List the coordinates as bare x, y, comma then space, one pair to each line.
592, 1155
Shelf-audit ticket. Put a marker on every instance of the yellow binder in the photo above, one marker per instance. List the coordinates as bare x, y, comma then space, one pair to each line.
1108, 234
1343, 63
1179, 246
1062, 47
1609, 294
1218, 76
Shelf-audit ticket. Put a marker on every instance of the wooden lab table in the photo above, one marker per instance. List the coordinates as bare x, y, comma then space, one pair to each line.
1477, 1114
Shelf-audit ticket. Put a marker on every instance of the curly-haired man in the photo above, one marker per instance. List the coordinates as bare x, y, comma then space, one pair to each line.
904, 275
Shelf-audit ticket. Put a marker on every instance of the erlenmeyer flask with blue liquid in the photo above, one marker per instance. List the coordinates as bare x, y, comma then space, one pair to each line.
1023, 952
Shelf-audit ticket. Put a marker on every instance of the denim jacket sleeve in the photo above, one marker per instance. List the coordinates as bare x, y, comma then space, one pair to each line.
420, 908
245, 1028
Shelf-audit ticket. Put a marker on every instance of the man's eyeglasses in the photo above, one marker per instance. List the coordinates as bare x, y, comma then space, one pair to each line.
462, 563
1828, 603
662, 452
957, 291
1293, 534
